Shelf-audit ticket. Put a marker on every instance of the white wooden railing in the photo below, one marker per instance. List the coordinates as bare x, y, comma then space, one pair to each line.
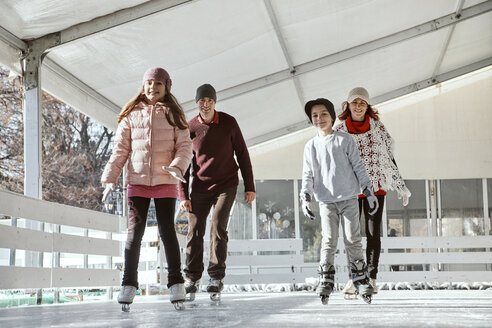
52, 275
432, 254
249, 261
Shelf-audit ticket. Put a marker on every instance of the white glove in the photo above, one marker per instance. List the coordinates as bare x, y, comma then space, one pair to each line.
307, 210
405, 194
109, 187
175, 172
306, 206
372, 200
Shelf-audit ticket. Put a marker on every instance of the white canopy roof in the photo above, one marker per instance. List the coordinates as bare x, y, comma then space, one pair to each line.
266, 58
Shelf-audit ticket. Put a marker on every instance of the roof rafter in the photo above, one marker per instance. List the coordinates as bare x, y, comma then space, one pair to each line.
445, 46
117, 18
283, 45
325, 61
12, 40
67, 77
381, 98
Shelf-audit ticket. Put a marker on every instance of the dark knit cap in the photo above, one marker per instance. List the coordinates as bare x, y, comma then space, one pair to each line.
320, 101
205, 90
158, 74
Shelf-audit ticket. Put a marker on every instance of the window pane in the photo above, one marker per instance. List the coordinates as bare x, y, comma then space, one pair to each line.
489, 193
310, 233
275, 209
240, 224
462, 208
410, 220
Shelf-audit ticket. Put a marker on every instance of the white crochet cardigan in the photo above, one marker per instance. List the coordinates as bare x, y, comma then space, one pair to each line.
376, 150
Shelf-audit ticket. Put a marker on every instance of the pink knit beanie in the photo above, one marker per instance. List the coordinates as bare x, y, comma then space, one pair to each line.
158, 74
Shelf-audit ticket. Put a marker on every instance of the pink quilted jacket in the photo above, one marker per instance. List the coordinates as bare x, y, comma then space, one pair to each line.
147, 140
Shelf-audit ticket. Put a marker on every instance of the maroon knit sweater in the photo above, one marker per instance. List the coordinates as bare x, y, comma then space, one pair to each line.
213, 166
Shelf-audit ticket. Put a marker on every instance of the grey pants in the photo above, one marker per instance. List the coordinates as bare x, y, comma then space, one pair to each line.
347, 212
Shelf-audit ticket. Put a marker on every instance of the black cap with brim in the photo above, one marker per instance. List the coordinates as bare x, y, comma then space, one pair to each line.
320, 101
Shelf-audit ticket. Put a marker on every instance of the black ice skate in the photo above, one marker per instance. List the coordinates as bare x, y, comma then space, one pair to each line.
326, 282
214, 288
191, 288
358, 272
125, 297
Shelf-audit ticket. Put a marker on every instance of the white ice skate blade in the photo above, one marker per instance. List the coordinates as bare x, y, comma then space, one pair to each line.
179, 305
350, 297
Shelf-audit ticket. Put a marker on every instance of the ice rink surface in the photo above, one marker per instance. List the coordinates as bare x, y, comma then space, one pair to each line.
402, 308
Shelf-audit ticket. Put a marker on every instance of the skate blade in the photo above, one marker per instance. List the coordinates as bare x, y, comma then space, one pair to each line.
215, 298
179, 305
367, 298
125, 307
350, 297
324, 299
190, 297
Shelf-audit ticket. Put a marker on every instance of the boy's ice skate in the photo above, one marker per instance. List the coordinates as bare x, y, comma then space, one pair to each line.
349, 291
191, 288
326, 282
177, 296
125, 297
214, 288
358, 272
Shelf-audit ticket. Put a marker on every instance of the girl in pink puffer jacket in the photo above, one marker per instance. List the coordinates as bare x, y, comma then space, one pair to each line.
153, 137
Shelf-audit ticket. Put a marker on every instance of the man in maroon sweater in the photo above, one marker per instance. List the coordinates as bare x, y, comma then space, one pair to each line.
216, 139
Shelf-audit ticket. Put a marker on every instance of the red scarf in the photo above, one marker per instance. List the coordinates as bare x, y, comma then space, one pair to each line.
355, 127
358, 127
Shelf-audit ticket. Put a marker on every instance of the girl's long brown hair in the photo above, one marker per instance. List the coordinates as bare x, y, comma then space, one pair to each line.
372, 112
174, 112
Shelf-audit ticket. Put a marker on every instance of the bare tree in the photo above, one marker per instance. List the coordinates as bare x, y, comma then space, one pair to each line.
74, 148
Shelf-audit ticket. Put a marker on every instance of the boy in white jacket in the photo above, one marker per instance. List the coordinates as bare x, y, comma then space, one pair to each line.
334, 173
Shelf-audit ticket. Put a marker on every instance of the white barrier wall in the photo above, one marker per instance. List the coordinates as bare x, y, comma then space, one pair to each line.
52, 275
440, 133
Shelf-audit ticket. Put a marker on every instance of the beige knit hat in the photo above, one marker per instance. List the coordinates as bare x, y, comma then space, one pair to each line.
359, 92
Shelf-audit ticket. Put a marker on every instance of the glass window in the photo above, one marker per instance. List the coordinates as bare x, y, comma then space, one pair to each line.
240, 224
275, 209
310, 233
489, 197
410, 220
461, 208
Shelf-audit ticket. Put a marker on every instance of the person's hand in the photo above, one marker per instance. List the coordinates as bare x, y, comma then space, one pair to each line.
404, 195
306, 206
109, 187
175, 172
185, 205
372, 200
249, 196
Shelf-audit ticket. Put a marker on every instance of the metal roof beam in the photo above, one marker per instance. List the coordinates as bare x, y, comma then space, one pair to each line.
381, 98
68, 78
12, 40
283, 45
445, 46
117, 18
322, 62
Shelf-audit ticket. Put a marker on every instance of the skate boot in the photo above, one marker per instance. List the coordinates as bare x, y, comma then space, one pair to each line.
214, 288
191, 288
326, 282
349, 291
374, 286
177, 296
125, 297
358, 272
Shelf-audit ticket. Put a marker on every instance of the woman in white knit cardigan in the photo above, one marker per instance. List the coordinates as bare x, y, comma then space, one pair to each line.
375, 145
